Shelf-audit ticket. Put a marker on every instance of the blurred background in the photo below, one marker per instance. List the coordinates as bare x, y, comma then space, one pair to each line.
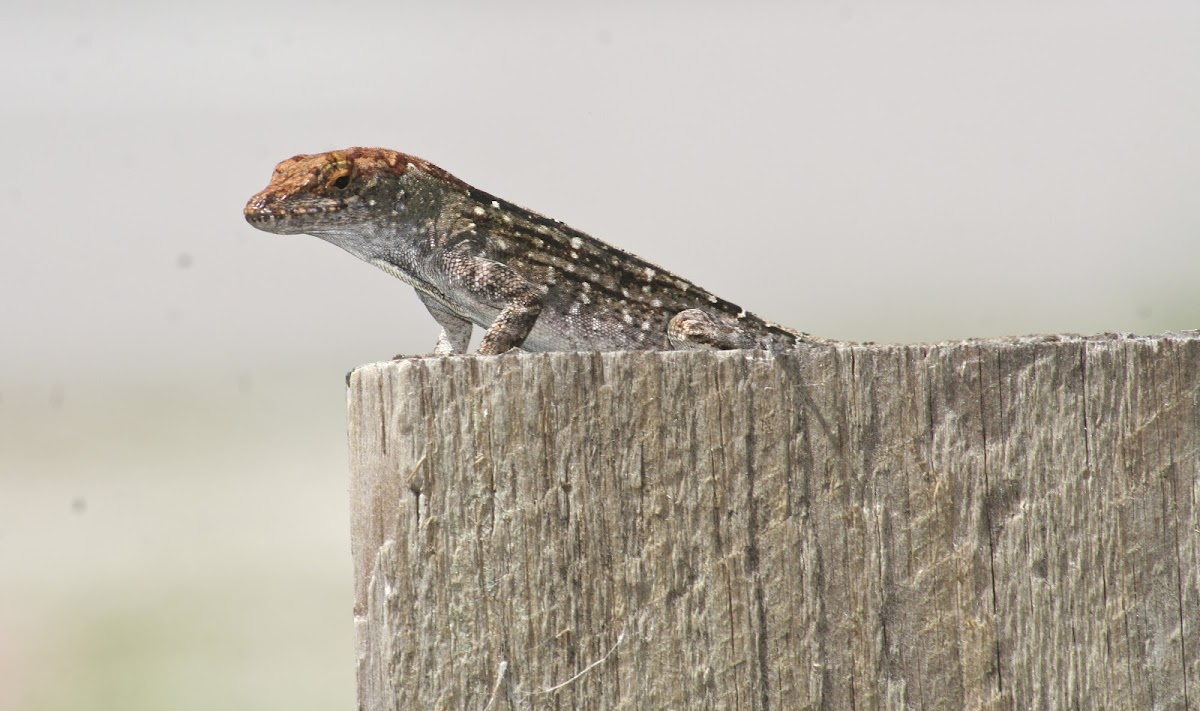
173, 468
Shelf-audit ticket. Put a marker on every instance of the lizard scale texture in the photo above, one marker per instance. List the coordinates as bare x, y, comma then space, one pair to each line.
530, 281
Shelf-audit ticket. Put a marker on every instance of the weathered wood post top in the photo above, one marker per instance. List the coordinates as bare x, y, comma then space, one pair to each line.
991, 524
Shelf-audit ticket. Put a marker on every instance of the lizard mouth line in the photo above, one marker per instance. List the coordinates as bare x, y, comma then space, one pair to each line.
256, 214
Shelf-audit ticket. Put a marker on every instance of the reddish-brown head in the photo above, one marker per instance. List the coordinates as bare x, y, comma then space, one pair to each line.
336, 190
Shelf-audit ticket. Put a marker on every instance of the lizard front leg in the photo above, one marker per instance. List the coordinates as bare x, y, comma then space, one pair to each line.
495, 285
456, 330
512, 326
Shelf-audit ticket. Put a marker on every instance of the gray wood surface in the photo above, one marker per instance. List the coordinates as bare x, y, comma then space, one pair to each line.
992, 524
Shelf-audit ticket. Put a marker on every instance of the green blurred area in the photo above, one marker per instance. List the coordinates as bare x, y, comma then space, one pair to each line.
180, 544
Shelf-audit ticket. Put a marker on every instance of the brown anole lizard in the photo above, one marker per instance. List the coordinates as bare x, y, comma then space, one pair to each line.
530, 281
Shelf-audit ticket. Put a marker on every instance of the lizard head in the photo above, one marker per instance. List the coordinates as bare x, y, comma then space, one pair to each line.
343, 190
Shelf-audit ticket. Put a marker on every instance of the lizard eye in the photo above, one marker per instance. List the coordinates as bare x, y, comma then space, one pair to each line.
341, 182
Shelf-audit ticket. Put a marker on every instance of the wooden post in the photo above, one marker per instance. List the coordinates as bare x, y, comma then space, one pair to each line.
993, 524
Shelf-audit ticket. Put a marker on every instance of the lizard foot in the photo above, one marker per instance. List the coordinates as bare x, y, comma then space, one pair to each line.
696, 329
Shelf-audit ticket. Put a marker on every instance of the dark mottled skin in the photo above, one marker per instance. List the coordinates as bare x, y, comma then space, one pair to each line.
530, 281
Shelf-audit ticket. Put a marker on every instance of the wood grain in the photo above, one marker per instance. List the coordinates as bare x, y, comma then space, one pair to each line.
990, 524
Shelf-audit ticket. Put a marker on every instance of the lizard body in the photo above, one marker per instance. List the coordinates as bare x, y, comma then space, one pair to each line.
474, 259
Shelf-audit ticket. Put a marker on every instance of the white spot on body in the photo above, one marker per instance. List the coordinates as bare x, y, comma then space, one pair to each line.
574, 254
576, 243
496, 204
479, 210
626, 317
501, 245
646, 289
712, 299
656, 303
645, 325
650, 273
742, 313
371, 203
625, 293
574, 310
506, 218
570, 267
584, 298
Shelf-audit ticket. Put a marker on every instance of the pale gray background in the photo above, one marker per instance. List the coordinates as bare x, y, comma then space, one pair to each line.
173, 518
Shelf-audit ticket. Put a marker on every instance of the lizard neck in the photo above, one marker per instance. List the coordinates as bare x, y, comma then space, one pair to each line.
401, 243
